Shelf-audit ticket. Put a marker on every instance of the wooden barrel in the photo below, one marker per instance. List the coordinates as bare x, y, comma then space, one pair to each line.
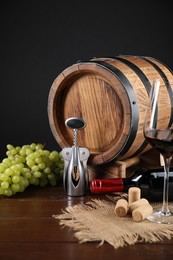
110, 94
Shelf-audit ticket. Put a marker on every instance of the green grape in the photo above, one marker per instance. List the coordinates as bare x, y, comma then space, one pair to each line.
8, 192
46, 153
22, 188
42, 165
16, 179
60, 165
53, 156
28, 151
39, 146
5, 165
35, 168
10, 147
4, 185
38, 153
30, 162
13, 151
25, 146
33, 146
47, 170
6, 161
3, 177
27, 175
15, 187
51, 177
24, 181
20, 166
8, 153
37, 174
38, 160
22, 152
44, 182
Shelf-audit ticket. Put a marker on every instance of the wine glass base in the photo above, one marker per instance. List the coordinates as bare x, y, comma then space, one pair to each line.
161, 217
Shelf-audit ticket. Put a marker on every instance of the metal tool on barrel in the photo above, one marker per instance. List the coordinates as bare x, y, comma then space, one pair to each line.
75, 178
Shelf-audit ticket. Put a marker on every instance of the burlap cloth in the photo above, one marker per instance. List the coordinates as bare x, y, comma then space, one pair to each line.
96, 221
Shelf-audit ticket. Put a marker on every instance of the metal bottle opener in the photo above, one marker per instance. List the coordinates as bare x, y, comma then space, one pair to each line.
75, 178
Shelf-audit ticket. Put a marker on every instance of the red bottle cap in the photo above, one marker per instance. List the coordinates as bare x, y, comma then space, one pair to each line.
106, 185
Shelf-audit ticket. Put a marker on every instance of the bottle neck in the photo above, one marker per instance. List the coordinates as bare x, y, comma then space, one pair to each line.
133, 180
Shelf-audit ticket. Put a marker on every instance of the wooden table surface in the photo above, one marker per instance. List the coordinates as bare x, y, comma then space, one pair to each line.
28, 231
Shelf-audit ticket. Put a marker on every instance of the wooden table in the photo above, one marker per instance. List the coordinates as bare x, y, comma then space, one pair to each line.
28, 231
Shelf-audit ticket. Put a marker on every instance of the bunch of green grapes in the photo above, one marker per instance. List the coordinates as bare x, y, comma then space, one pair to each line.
28, 165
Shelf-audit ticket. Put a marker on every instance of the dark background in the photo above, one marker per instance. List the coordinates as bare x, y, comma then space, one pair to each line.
39, 39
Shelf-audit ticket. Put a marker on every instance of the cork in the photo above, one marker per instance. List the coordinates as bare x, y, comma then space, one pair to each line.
138, 203
142, 212
134, 194
121, 208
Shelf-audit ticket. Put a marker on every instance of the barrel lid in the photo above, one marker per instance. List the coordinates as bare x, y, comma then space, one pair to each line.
91, 91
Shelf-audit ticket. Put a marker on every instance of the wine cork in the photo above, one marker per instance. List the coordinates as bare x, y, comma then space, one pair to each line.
121, 208
134, 194
138, 203
142, 212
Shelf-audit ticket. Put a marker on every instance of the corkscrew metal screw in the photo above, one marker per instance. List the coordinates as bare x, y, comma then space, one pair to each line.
75, 178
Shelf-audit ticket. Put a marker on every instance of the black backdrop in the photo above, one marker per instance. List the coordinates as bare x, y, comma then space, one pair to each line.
39, 39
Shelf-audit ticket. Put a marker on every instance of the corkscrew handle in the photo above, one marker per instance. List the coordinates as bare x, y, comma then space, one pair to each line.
106, 185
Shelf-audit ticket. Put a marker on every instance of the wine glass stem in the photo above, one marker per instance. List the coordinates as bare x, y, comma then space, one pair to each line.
167, 163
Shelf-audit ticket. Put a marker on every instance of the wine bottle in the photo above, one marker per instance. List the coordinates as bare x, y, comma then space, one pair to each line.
149, 181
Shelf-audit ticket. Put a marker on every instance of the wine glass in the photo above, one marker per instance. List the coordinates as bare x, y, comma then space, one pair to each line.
158, 132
